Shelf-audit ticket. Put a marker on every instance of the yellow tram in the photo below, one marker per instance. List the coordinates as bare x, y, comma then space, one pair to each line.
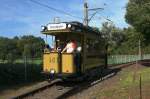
92, 54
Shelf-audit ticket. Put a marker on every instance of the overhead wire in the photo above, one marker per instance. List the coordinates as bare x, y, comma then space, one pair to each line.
54, 9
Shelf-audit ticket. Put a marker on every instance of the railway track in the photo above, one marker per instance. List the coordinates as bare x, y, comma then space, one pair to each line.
36, 90
54, 89
53, 92
58, 89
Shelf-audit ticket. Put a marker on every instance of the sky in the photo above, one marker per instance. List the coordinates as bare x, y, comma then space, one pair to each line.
23, 17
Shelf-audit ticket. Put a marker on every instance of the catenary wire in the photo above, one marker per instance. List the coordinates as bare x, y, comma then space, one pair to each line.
54, 9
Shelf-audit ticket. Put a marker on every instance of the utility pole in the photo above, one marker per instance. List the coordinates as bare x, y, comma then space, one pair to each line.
86, 10
85, 13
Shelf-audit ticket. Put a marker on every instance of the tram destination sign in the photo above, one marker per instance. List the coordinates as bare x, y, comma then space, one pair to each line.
56, 26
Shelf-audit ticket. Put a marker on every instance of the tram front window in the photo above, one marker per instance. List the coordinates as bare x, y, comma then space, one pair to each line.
47, 48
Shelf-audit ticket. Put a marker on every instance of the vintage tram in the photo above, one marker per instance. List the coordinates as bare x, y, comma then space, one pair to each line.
90, 59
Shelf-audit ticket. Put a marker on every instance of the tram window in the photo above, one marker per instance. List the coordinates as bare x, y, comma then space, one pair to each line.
60, 45
71, 46
94, 48
47, 48
89, 45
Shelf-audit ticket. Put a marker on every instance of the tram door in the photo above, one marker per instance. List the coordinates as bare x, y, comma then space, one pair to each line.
51, 62
68, 65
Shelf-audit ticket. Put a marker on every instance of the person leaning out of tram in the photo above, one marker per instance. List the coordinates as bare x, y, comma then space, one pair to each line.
74, 48
70, 47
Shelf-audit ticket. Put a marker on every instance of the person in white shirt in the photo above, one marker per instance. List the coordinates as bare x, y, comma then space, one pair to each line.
70, 47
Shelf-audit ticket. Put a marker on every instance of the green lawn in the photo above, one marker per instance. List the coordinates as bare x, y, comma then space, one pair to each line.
127, 87
34, 61
30, 61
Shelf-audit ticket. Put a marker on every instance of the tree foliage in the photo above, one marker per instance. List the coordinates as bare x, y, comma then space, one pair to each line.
3, 47
29, 46
130, 43
114, 36
123, 41
138, 15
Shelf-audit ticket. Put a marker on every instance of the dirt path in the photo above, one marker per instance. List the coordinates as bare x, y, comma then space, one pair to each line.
114, 88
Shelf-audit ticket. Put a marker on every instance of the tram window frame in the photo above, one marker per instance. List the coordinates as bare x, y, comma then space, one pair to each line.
93, 49
63, 39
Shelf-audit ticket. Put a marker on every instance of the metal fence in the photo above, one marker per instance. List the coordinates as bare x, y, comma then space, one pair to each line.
119, 59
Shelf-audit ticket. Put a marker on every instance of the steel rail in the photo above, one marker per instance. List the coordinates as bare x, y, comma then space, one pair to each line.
36, 90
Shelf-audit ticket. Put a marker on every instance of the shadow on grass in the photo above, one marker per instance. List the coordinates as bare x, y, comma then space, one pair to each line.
14, 74
145, 63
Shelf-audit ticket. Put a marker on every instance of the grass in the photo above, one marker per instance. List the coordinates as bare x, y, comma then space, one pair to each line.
30, 61
12, 75
34, 61
127, 87
127, 77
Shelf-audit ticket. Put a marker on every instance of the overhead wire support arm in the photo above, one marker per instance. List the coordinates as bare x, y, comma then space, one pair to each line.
94, 12
95, 9
86, 10
92, 16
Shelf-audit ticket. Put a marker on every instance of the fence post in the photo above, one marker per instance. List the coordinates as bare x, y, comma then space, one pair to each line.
25, 68
116, 59
125, 59
140, 86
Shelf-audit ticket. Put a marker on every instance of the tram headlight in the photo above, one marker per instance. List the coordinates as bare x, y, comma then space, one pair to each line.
52, 71
73, 28
43, 28
69, 25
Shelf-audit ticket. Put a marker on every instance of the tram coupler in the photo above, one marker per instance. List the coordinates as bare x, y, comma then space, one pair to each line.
51, 76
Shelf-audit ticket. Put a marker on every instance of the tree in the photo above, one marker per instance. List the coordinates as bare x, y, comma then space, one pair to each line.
12, 51
15, 48
36, 45
8, 49
113, 35
130, 43
138, 15
3, 48
27, 51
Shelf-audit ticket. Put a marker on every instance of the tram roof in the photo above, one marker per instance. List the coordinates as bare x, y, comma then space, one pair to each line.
68, 27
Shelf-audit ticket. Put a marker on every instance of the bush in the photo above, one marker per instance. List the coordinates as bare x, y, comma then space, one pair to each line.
15, 73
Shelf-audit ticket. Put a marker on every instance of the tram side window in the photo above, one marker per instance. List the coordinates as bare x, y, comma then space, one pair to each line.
100, 46
95, 48
90, 45
59, 45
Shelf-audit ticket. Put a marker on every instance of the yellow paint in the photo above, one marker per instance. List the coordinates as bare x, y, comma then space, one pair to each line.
50, 61
68, 63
